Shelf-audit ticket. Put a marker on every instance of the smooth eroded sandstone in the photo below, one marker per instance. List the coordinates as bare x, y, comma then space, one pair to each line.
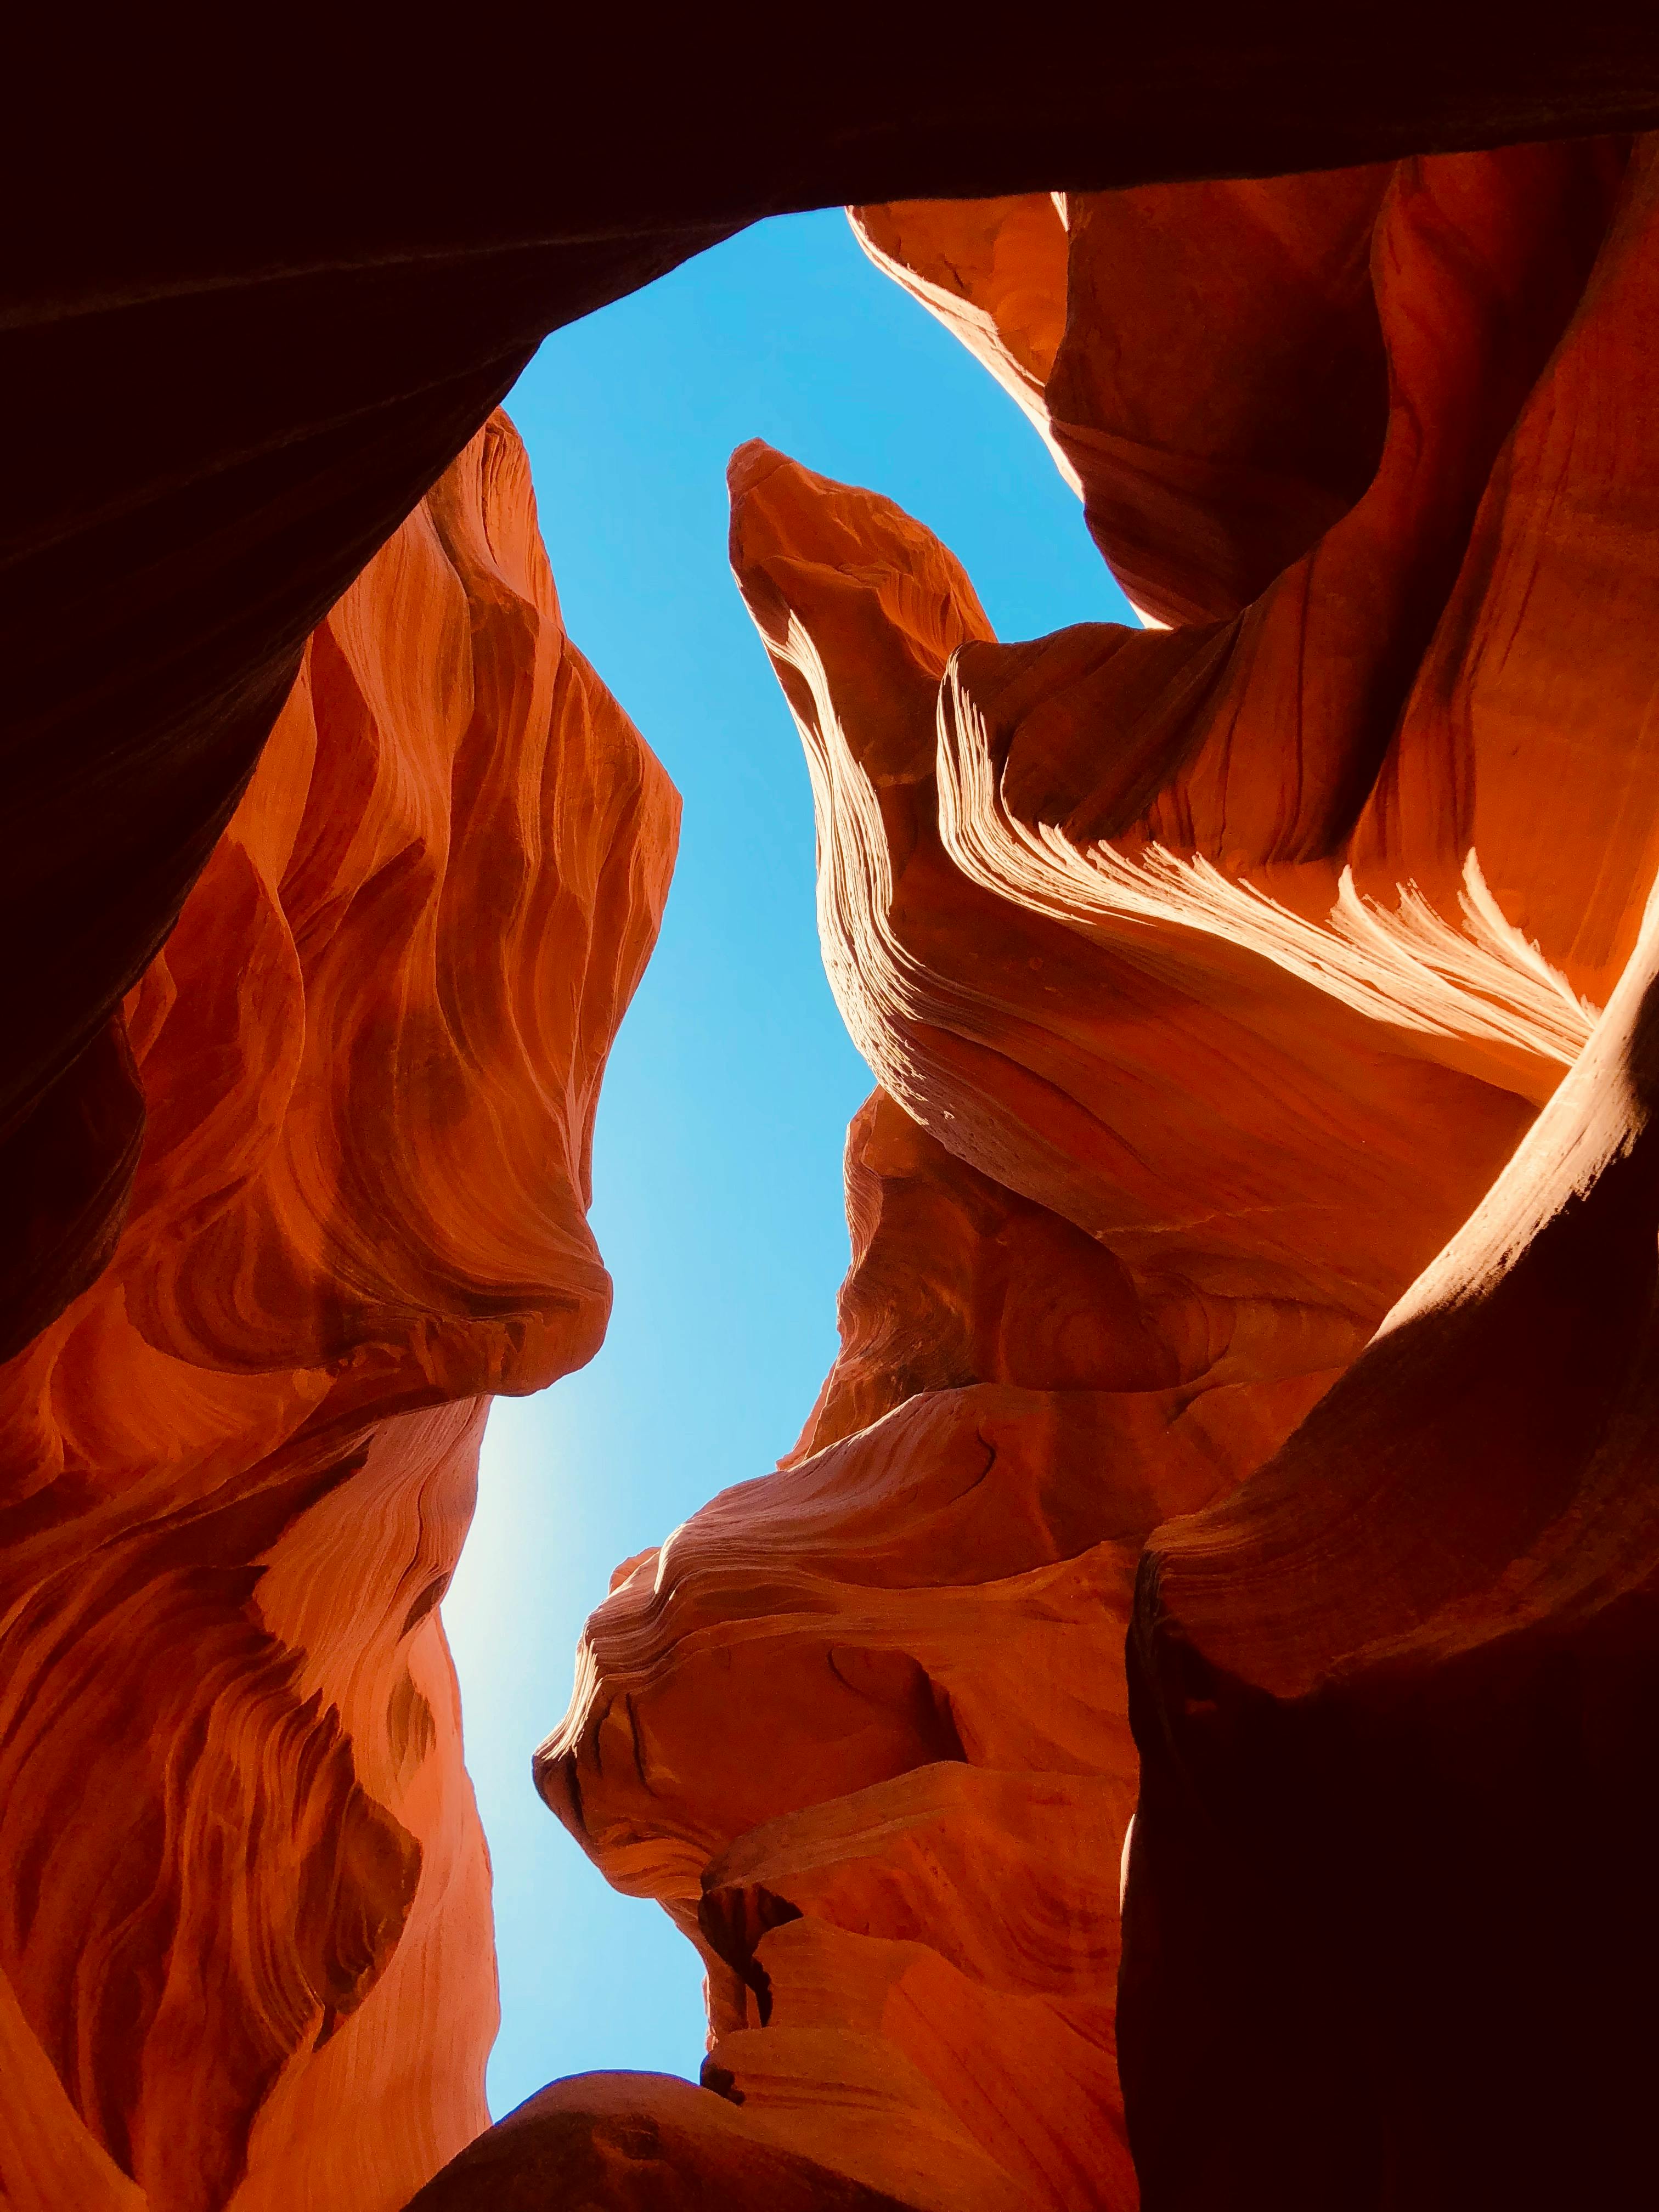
246, 1950
1256, 1206
1253, 1226
253, 313
1395, 1692
639, 2142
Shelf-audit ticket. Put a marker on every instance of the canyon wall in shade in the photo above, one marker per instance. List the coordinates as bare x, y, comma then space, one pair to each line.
1253, 1249
246, 1957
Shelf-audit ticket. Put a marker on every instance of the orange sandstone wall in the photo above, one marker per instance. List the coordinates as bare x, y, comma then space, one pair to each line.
1397, 1693
246, 1950
1215, 979
1254, 1234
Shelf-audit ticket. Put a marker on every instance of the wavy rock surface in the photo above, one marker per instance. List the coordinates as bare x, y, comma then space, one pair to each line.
907, 1906
1388, 1693
1235, 995
246, 1954
1395, 1690
1214, 451
307, 343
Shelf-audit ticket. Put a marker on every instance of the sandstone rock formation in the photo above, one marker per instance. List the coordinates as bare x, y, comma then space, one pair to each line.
860, 1724
246, 1954
637, 2141
1212, 453
1394, 1691
253, 312
1236, 994
1255, 1191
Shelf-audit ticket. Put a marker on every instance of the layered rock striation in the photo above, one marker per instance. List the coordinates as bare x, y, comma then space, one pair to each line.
1252, 1248
860, 1725
1253, 1226
318, 277
1393, 1691
246, 1949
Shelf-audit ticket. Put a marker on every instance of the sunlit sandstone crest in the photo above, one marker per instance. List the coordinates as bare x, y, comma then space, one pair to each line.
1221, 972
1244, 1414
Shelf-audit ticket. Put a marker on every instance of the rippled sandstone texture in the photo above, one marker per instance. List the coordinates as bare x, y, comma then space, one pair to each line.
246, 1950
318, 277
1215, 979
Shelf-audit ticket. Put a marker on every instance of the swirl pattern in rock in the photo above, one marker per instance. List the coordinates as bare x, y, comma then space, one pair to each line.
1214, 978
1394, 1690
304, 345
245, 1952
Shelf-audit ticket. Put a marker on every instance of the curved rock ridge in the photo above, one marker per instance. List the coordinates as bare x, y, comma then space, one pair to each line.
808, 1724
1245, 413
638, 2141
245, 1952
1235, 995
305, 345
1246, 1139
1214, 365
993, 272
1391, 1694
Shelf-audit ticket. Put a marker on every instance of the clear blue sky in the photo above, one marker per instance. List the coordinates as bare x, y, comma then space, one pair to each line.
717, 1162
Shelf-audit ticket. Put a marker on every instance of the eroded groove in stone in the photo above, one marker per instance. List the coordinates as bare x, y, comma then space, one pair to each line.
1235, 993
245, 1932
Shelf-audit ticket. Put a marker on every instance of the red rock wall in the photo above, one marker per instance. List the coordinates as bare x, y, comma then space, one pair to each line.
861, 1726
1254, 1251
1397, 1691
1214, 978
246, 1954
319, 275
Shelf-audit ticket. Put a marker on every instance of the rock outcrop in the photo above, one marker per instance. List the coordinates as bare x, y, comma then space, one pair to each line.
318, 276
860, 1725
1256, 1209
245, 1952
1254, 1227
1394, 1692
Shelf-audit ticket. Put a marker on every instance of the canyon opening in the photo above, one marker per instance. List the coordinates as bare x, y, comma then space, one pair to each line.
1174, 1727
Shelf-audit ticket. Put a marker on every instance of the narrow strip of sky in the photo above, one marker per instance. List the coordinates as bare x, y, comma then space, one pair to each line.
717, 1160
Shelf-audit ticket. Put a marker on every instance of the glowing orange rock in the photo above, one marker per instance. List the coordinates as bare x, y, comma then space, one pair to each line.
245, 1934
955, 1280
1392, 1691
1213, 978
898, 1854
1245, 415
1231, 1094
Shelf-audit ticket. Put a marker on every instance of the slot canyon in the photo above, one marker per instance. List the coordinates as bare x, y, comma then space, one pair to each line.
1175, 1729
